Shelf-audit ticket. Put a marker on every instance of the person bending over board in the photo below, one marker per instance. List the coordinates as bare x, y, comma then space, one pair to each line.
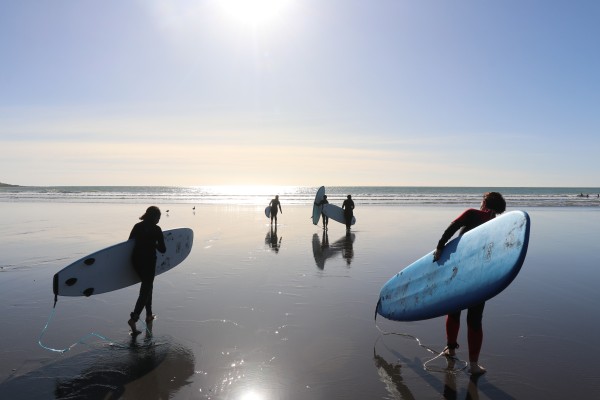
274, 205
148, 239
325, 217
348, 207
493, 204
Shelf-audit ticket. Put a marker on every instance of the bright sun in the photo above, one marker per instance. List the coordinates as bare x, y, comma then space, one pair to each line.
254, 12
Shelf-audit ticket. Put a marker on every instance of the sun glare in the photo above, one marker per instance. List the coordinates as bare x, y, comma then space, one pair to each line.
254, 12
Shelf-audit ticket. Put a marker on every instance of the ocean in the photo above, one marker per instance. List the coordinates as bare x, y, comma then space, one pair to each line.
302, 195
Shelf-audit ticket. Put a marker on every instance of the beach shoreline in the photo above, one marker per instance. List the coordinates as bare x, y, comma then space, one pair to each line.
288, 321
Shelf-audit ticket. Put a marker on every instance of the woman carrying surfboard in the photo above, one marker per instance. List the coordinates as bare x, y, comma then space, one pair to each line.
493, 204
148, 238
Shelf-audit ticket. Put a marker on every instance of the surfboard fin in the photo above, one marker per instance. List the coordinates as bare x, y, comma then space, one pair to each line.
55, 288
377, 308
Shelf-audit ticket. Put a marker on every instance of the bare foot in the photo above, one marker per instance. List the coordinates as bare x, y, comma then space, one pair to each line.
448, 352
134, 331
477, 369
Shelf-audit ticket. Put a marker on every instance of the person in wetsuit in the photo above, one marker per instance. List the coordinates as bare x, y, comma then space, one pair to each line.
325, 217
493, 204
274, 205
348, 207
148, 239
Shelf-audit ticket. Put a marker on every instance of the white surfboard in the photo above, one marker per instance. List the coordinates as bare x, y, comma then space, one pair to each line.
268, 211
317, 209
111, 268
336, 213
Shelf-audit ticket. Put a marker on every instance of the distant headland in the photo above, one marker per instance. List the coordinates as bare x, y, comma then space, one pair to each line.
7, 185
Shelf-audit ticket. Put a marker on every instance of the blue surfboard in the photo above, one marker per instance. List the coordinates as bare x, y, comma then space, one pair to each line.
473, 268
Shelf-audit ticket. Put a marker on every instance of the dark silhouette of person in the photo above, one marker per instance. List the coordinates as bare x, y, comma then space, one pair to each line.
325, 217
348, 207
148, 239
274, 205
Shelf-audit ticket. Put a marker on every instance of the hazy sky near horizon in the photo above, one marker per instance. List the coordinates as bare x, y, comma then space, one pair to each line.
300, 92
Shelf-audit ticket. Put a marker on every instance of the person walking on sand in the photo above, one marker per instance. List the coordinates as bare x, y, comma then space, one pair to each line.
348, 207
325, 217
148, 239
274, 205
493, 204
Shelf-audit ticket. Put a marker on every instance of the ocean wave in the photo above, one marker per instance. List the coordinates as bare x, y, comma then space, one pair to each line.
303, 195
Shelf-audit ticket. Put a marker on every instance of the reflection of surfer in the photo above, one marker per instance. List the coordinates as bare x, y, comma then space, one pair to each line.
325, 217
390, 374
450, 391
348, 207
271, 239
492, 204
274, 204
348, 249
148, 239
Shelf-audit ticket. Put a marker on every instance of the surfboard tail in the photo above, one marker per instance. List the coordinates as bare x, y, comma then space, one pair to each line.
377, 308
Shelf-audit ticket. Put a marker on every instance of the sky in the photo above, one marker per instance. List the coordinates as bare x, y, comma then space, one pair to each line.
300, 92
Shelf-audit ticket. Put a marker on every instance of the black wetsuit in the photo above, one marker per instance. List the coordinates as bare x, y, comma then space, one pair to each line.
325, 217
348, 207
148, 239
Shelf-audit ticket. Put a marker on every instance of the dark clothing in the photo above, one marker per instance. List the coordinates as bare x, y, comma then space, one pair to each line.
467, 221
348, 207
275, 205
325, 217
148, 239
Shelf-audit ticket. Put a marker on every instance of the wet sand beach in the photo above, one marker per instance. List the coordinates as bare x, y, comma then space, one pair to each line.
287, 313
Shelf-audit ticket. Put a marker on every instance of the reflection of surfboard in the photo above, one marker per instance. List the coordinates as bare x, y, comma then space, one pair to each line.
111, 269
473, 268
336, 213
109, 372
317, 209
268, 211
323, 250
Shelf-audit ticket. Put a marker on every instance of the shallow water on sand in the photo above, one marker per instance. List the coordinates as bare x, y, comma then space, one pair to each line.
263, 314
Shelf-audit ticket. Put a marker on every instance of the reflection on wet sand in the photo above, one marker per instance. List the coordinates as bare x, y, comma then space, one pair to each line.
322, 250
390, 375
450, 391
149, 369
272, 240
397, 386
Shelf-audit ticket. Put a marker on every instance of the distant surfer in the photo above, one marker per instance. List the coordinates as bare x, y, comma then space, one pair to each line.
275, 204
348, 207
493, 204
321, 204
148, 239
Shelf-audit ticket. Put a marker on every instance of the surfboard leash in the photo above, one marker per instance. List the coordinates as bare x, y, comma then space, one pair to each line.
81, 340
429, 349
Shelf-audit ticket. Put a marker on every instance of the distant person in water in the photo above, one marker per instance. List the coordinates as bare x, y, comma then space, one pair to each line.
348, 207
148, 239
321, 204
492, 204
275, 204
